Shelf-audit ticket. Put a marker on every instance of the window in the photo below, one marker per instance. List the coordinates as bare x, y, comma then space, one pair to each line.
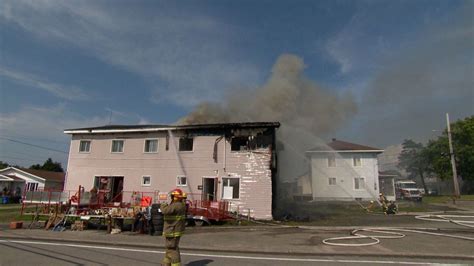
243, 143
358, 183
332, 181
85, 146
356, 161
332, 160
117, 145
238, 144
230, 188
146, 181
181, 181
151, 145
186, 144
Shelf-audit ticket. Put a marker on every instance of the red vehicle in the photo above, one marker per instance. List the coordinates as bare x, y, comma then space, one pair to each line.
202, 212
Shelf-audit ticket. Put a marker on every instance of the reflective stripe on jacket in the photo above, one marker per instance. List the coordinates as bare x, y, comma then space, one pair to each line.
174, 219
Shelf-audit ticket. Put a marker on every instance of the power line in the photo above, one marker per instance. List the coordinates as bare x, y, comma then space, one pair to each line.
17, 158
33, 138
33, 145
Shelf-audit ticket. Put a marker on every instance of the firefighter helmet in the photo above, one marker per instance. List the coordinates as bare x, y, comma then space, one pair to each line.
184, 195
176, 193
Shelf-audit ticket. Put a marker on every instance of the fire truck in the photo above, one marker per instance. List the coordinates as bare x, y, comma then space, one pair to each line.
407, 190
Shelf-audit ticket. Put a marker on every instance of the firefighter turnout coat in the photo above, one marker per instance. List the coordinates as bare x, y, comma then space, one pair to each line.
174, 219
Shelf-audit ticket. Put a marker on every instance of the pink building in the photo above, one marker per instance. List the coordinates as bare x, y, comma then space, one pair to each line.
234, 162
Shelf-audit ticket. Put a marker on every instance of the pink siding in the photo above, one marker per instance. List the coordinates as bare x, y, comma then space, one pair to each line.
253, 168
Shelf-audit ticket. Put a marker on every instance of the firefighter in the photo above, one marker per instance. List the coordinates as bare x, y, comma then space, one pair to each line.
174, 224
383, 200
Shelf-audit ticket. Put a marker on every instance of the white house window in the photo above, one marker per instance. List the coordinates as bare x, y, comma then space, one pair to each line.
356, 161
151, 145
230, 188
186, 144
332, 181
181, 181
358, 183
117, 145
332, 160
85, 146
146, 181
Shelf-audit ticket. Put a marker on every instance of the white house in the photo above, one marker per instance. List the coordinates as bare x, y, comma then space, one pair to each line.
344, 171
15, 180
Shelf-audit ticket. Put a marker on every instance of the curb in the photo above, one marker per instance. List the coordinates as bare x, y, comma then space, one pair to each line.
289, 253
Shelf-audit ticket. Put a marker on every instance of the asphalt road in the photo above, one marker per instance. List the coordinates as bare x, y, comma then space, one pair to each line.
23, 252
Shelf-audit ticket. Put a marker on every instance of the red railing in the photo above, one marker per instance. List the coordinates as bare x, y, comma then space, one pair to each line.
83, 200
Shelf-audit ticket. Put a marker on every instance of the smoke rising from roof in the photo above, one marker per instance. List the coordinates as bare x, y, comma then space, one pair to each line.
288, 97
305, 110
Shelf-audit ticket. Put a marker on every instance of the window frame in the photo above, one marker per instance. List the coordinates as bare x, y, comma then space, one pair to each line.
90, 145
112, 146
178, 181
157, 145
143, 181
363, 182
329, 181
329, 157
354, 161
179, 144
223, 185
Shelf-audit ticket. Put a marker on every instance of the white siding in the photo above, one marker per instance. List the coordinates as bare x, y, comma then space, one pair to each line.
344, 172
253, 168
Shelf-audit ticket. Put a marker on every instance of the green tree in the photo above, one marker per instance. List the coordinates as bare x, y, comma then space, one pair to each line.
49, 165
462, 132
3, 165
414, 160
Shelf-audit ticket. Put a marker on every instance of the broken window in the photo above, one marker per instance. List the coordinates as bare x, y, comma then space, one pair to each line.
243, 143
239, 144
186, 144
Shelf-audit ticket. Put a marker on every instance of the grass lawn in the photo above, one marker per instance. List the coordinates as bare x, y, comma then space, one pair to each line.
11, 212
446, 199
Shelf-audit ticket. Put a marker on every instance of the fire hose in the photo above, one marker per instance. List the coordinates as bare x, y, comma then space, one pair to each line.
395, 232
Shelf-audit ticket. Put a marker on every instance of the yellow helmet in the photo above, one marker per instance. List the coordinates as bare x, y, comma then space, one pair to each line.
176, 193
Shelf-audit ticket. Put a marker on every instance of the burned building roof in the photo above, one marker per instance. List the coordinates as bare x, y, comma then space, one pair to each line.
150, 128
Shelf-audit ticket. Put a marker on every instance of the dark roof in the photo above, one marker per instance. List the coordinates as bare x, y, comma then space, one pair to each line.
48, 175
389, 173
339, 145
191, 126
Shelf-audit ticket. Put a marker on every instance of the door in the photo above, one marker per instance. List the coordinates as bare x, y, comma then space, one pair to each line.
109, 188
209, 188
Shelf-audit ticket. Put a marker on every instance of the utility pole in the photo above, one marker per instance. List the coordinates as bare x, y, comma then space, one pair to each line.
453, 162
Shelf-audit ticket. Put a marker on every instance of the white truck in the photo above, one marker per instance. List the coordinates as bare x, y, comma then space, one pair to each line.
407, 190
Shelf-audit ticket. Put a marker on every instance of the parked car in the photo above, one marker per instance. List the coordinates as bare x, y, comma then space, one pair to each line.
407, 189
432, 192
